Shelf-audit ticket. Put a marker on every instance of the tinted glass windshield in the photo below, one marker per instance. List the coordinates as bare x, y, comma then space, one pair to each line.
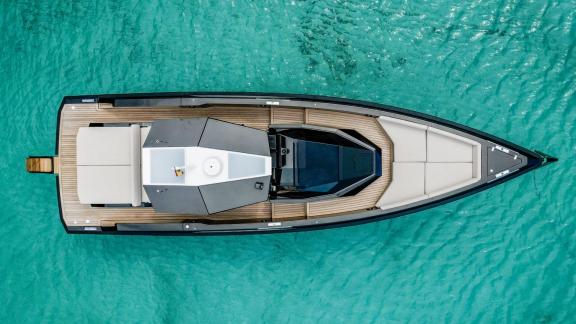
315, 163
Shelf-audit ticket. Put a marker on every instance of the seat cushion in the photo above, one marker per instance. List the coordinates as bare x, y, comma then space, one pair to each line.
442, 176
446, 147
407, 184
103, 146
109, 165
409, 139
107, 184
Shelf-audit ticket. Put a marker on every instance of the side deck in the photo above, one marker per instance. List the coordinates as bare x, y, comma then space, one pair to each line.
74, 116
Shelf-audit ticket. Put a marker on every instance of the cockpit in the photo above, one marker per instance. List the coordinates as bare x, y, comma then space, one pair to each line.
311, 162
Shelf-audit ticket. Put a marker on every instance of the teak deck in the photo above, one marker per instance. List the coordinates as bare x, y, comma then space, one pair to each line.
74, 116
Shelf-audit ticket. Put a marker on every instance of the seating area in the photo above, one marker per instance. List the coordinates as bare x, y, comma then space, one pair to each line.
109, 165
427, 162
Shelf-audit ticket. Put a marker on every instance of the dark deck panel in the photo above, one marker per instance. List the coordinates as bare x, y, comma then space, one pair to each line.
231, 137
227, 195
177, 199
176, 132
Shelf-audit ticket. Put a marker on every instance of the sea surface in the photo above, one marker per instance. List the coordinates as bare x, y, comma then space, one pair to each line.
506, 255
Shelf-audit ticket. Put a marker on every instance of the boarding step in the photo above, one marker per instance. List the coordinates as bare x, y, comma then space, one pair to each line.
42, 164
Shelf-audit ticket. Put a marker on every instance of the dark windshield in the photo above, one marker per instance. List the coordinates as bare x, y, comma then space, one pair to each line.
313, 163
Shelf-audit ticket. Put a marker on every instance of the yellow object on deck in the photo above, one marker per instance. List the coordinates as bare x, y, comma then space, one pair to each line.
41, 164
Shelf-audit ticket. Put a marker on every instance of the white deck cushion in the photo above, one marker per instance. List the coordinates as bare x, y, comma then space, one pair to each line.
104, 184
440, 176
409, 139
428, 162
109, 165
446, 147
103, 146
407, 184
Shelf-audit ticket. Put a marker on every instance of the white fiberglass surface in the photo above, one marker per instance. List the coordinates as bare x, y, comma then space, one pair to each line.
164, 163
197, 166
245, 165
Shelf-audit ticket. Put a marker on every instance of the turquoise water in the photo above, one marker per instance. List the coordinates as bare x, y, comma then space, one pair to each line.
507, 255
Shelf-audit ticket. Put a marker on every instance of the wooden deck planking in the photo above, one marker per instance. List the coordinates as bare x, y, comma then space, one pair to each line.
285, 211
81, 115
280, 116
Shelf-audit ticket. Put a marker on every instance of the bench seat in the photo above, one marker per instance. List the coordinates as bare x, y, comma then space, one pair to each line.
108, 161
428, 162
